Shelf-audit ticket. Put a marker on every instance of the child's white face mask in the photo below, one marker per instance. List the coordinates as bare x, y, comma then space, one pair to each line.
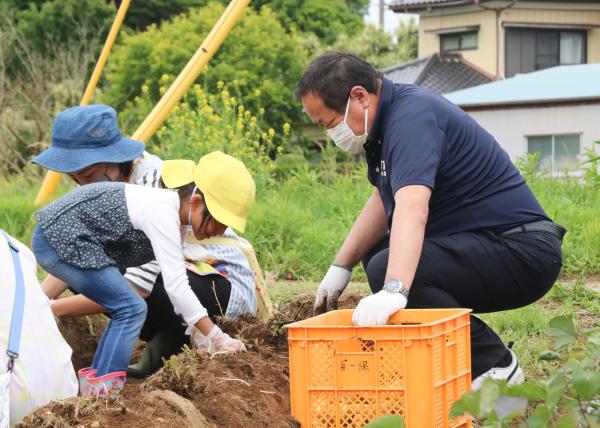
189, 226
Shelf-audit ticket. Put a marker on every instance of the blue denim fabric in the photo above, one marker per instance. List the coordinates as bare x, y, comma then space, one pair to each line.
108, 288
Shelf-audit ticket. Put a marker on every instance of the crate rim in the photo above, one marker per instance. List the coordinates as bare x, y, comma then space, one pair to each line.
459, 312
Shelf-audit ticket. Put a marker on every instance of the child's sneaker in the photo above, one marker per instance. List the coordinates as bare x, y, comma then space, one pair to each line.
82, 374
512, 374
103, 385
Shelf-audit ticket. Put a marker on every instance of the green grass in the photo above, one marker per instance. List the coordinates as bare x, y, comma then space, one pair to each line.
298, 224
16, 204
575, 206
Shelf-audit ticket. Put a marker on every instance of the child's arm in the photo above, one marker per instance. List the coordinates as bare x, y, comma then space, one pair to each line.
53, 286
79, 305
75, 306
156, 213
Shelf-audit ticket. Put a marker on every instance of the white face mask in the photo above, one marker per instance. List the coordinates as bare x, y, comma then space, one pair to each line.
189, 226
343, 136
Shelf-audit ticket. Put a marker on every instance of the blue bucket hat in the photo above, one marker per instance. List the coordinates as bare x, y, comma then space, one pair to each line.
84, 136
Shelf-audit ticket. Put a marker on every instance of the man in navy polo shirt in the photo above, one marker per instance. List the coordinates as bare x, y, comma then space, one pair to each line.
451, 221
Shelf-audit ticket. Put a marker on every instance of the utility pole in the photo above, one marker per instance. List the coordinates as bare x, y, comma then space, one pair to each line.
381, 10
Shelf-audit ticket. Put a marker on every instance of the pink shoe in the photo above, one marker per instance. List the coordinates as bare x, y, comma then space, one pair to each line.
105, 384
84, 386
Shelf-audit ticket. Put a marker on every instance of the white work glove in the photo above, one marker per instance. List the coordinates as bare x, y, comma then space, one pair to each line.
214, 341
332, 285
377, 308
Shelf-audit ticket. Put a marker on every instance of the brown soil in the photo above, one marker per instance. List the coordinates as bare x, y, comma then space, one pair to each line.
128, 410
230, 390
83, 334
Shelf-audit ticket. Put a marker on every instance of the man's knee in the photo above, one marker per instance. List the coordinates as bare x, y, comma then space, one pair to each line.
376, 269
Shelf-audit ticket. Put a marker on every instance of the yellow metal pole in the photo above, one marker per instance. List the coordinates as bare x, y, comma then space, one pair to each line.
191, 71
52, 178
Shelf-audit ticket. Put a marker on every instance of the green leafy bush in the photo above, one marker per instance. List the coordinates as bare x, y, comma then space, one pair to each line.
378, 47
568, 398
206, 122
325, 19
46, 26
259, 61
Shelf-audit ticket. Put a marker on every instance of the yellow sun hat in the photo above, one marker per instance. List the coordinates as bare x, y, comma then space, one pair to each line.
228, 187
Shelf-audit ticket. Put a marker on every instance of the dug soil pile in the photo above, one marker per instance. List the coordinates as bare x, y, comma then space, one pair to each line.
224, 390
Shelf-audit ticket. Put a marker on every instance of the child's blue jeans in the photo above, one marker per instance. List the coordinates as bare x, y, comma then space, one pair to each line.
108, 288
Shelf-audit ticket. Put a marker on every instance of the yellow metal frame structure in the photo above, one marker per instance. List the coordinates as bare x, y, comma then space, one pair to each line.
177, 89
52, 178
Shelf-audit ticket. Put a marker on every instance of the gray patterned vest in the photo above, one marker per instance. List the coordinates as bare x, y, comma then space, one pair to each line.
90, 228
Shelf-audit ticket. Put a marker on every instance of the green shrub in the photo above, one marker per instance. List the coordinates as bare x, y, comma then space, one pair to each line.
46, 26
568, 398
259, 61
205, 122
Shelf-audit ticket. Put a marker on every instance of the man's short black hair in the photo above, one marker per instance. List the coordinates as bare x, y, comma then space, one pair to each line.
332, 75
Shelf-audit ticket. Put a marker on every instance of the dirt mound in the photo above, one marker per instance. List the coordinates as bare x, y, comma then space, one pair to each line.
131, 409
270, 333
229, 390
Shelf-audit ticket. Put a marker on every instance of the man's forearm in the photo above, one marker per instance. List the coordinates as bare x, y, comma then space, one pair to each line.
368, 229
408, 233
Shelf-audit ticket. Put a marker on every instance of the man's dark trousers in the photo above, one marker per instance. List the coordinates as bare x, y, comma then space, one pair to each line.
478, 270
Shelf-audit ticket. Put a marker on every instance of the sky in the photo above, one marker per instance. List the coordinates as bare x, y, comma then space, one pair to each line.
391, 20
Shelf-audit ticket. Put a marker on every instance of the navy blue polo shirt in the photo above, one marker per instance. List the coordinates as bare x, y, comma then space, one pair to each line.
419, 137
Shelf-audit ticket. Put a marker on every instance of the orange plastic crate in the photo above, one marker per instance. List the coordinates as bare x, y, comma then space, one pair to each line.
344, 376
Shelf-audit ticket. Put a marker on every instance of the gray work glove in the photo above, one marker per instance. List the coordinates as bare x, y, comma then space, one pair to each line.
333, 284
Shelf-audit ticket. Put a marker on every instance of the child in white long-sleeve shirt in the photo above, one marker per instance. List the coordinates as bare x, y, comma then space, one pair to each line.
87, 237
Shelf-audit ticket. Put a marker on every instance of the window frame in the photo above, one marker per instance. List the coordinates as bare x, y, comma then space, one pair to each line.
558, 32
553, 172
460, 35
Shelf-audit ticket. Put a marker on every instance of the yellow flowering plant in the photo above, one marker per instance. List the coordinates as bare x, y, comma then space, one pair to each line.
204, 122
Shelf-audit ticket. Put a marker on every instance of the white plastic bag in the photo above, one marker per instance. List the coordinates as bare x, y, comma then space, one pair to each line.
4, 396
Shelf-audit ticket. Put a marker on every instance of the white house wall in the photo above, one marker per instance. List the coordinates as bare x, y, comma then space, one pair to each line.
511, 127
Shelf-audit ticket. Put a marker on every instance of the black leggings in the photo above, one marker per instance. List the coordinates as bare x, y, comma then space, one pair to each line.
482, 271
213, 291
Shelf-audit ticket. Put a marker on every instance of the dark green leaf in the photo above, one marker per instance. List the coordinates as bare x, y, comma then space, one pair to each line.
562, 330
586, 383
534, 421
532, 390
566, 421
386, 421
468, 403
555, 387
489, 392
549, 355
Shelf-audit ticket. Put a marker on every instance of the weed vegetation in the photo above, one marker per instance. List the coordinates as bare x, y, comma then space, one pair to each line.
305, 209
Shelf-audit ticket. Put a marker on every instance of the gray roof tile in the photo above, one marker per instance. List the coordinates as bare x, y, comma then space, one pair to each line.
442, 73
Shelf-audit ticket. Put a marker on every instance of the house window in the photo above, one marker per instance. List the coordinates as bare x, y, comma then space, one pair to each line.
458, 41
554, 48
558, 153
529, 49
